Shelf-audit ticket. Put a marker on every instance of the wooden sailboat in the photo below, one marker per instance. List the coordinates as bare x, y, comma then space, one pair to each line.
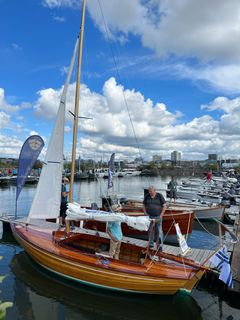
76, 255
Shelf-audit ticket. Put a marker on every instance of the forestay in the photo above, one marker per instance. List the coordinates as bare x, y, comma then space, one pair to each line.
75, 212
46, 203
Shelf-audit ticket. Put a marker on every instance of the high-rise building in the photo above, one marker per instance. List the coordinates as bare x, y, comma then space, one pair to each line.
156, 158
213, 156
175, 156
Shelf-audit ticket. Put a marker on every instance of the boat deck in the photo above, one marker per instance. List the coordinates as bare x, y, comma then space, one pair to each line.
198, 255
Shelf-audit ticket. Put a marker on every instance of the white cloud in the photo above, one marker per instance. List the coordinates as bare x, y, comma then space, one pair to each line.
224, 78
67, 129
224, 104
61, 3
4, 119
186, 29
16, 47
4, 105
10, 146
183, 28
205, 31
158, 130
48, 102
32, 132
59, 19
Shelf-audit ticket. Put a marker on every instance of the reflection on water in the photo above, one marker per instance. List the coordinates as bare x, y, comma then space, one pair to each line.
34, 287
204, 235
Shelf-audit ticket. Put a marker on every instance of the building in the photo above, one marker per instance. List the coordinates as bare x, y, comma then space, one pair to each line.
176, 156
157, 158
212, 157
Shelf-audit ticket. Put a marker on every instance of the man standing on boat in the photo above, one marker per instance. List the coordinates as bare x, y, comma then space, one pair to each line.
154, 205
172, 186
64, 199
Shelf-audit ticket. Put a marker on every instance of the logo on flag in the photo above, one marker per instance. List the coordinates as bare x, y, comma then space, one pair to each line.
111, 171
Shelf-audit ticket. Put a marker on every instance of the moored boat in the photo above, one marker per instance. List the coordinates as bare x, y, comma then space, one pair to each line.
201, 212
4, 181
77, 257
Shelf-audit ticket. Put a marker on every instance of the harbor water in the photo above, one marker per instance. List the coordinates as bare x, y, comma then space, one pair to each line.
38, 294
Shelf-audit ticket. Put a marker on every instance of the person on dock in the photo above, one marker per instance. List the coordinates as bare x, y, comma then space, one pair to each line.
115, 232
209, 175
64, 199
154, 205
172, 186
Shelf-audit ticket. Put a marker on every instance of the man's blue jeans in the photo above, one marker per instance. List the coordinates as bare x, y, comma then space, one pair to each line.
155, 234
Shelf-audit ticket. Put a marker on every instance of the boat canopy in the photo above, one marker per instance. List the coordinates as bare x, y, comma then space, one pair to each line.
75, 212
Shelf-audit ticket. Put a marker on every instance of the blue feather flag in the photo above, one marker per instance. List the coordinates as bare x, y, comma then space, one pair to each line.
111, 171
28, 156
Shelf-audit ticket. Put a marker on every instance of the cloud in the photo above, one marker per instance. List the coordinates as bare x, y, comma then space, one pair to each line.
183, 28
230, 114
4, 119
224, 104
32, 132
59, 19
170, 27
61, 3
10, 146
124, 119
187, 38
223, 78
4, 105
48, 103
16, 47
172, 30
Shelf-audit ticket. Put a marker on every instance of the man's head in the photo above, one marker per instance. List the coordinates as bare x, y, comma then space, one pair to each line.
152, 191
65, 180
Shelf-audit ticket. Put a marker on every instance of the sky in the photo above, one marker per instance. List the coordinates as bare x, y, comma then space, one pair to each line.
157, 76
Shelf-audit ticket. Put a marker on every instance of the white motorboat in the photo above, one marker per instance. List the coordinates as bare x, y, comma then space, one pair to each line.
201, 211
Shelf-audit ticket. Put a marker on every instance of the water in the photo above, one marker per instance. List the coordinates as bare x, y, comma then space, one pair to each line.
38, 294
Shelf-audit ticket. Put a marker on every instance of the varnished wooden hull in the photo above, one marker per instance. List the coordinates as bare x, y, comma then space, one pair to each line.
151, 278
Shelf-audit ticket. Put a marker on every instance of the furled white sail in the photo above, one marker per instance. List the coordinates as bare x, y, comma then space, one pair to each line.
75, 212
46, 203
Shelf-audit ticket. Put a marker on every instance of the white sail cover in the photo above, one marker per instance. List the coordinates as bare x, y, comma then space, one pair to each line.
46, 203
75, 212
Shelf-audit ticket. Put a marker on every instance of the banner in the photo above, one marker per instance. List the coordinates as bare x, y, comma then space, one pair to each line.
111, 171
28, 156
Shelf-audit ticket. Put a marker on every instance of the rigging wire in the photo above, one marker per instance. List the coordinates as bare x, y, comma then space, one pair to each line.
119, 78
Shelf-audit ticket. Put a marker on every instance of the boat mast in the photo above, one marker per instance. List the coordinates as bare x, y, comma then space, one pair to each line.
75, 126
